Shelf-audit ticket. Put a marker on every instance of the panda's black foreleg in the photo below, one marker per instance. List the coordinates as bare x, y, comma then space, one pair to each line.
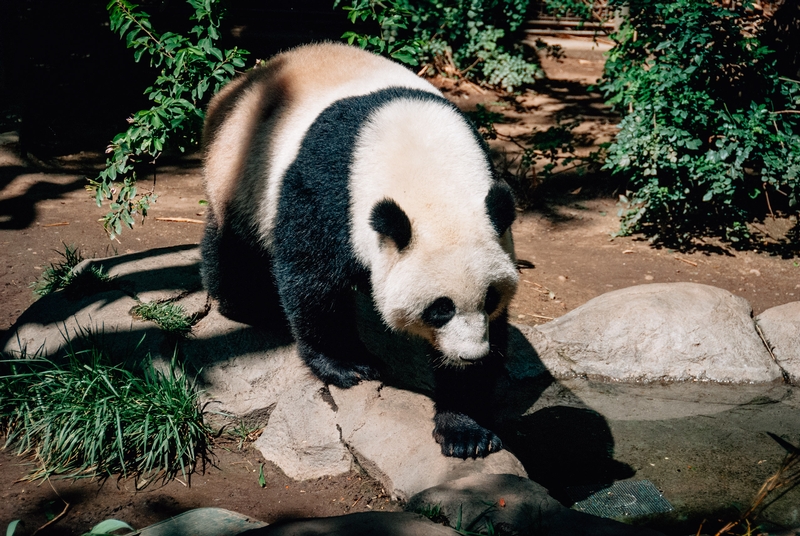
321, 313
329, 343
334, 371
463, 401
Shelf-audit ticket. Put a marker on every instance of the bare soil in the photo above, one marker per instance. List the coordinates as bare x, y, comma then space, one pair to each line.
566, 237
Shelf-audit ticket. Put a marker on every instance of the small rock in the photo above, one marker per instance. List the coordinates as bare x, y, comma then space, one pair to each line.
301, 437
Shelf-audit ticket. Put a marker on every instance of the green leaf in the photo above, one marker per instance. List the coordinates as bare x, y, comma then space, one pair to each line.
110, 525
12, 527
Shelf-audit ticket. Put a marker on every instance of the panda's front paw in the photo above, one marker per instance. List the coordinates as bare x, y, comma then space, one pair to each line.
349, 374
461, 437
334, 372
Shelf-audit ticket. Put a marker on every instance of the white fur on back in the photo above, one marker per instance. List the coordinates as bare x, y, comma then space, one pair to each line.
338, 72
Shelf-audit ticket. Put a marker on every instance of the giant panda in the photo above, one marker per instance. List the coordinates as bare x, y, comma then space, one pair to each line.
330, 167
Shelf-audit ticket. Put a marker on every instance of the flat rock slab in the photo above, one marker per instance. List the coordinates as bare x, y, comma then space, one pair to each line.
154, 275
658, 332
56, 322
301, 437
512, 505
362, 524
242, 368
781, 327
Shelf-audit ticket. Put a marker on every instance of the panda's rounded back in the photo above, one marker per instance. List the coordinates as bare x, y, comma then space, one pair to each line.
256, 124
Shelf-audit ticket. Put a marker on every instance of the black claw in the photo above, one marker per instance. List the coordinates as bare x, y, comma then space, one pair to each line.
462, 437
334, 372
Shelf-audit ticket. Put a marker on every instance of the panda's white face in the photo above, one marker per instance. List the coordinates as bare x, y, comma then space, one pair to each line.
420, 210
446, 297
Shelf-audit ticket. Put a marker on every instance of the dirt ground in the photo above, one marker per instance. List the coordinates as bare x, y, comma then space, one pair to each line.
566, 238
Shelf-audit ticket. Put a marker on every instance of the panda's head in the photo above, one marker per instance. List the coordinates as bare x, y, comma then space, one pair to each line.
446, 284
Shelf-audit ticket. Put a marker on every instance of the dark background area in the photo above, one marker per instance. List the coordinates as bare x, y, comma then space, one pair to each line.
68, 83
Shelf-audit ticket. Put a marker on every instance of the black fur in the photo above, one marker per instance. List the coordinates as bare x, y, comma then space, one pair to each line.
439, 312
238, 274
492, 300
388, 219
500, 207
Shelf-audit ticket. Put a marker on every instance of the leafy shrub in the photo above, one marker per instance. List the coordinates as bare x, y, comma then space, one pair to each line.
710, 137
191, 69
89, 418
476, 39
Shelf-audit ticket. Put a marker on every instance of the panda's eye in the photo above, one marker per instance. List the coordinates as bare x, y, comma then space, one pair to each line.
439, 313
492, 300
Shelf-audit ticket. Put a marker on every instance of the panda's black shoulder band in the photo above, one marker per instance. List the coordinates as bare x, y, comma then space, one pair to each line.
389, 220
500, 207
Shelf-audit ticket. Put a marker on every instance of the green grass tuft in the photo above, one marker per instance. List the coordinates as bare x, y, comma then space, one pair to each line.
58, 276
169, 316
61, 276
88, 418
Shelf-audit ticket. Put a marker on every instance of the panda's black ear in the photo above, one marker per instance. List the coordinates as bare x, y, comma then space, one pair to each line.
388, 220
500, 207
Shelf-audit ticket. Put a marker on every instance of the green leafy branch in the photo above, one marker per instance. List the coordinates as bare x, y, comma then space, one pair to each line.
477, 40
191, 69
391, 15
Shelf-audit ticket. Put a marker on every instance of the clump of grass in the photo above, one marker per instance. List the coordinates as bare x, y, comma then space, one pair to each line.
169, 316
241, 431
62, 276
88, 418
58, 276
434, 513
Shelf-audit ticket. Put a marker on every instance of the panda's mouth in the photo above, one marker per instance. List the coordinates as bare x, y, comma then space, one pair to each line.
471, 359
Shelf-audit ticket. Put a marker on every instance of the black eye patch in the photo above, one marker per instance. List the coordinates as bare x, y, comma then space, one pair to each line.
439, 312
492, 300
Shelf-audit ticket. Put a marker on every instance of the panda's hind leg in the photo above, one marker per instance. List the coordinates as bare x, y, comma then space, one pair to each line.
239, 276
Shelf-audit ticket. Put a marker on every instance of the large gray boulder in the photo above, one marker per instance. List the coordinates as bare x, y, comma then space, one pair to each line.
781, 328
658, 332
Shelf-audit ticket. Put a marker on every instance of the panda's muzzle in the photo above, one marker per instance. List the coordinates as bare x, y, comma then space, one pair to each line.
465, 338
